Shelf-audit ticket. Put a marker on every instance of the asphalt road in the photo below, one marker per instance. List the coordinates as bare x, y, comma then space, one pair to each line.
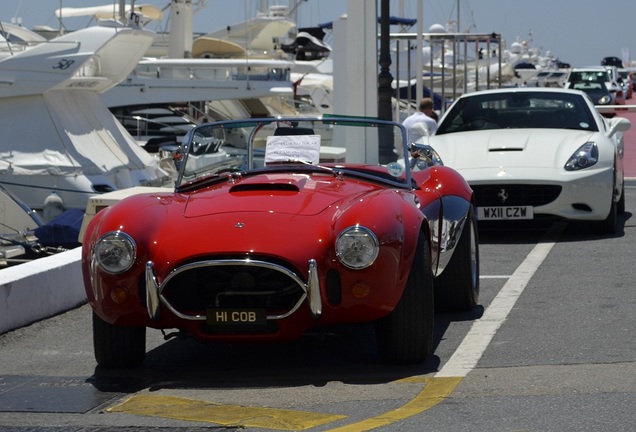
551, 348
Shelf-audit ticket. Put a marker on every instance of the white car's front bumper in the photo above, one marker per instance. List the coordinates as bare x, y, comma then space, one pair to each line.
585, 194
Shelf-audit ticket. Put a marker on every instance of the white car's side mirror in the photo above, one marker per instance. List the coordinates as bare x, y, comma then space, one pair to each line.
618, 124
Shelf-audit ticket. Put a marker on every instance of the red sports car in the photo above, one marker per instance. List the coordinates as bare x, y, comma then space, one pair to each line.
277, 226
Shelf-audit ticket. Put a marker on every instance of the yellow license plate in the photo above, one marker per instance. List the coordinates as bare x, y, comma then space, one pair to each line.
236, 317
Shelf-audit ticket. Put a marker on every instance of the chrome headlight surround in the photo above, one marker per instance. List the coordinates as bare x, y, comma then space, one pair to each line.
115, 252
584, 157
357, 247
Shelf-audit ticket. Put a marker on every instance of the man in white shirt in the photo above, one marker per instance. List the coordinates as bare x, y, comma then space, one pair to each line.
424, 115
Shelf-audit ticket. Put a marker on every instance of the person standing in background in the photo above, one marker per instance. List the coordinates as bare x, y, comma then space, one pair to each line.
424, 114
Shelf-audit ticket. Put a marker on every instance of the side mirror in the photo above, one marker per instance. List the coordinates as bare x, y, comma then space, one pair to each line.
618, 124
171, 153
424, 156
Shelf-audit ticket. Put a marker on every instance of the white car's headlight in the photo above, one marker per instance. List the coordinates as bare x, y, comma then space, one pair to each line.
584, 157
357, 247
115, 252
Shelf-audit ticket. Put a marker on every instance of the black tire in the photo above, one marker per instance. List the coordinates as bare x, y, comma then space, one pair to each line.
620, 206
457, 288
608, 226
406, 335
118, 346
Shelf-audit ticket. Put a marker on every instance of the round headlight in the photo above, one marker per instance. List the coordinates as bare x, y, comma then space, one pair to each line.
357, 247
115, 252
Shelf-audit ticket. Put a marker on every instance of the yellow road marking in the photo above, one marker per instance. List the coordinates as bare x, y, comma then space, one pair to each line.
228, 415
436, 389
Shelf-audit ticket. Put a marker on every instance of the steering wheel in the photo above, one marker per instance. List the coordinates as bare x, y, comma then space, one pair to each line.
482, 123
200, 147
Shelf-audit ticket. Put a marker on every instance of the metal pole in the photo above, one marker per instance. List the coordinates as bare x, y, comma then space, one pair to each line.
384, 78
384, 86
398, 96
419, 59
409, 90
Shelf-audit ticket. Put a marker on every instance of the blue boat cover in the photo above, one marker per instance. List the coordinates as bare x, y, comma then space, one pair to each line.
61, 231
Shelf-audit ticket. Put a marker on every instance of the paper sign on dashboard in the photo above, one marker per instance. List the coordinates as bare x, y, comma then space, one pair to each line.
285, 148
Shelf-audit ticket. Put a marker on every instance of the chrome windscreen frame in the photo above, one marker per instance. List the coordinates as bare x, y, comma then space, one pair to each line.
326, 120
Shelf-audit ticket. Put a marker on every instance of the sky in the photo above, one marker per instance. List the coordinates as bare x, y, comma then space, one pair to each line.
577, 32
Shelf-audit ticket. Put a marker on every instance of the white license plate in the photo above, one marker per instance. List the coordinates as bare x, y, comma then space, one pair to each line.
505, 213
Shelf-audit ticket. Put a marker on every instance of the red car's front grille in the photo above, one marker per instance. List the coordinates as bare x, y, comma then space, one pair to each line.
194, 290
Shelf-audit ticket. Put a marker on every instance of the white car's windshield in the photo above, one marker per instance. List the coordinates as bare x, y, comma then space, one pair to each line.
590, 76
514, 110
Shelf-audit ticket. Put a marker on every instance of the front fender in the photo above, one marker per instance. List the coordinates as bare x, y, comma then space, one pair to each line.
456, 200
455, 210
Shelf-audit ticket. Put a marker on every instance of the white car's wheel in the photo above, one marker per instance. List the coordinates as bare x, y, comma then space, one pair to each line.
406, 335
118, 346
621, 202
608, 225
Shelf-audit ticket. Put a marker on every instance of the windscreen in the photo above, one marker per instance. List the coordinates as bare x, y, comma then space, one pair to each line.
516, 110
374, 147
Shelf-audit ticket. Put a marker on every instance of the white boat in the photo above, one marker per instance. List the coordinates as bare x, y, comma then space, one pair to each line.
56, 133
262, 35
21, 39
163, 80
17, 225
200, 69
205, 77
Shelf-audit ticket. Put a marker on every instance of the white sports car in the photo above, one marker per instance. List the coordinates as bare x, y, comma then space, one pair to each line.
531, 153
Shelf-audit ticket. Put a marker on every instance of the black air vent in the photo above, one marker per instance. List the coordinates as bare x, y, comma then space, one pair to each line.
256, 187
515, 194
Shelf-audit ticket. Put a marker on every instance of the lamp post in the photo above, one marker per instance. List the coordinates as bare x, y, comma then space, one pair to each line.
385, 92
384, 78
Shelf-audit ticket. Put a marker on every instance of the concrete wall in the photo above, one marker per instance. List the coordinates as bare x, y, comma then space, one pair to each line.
40, 289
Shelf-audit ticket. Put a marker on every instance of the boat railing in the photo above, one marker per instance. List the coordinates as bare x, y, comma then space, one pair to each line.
455, 58
216, 70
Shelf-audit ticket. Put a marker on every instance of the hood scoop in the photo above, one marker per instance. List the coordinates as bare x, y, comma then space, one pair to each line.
269, 194
271, 183
501, 143
505, 149
257, 187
